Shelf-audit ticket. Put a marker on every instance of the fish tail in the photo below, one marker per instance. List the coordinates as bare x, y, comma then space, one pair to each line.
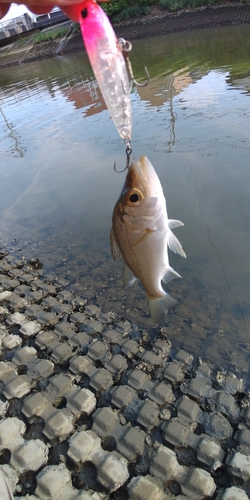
159, 306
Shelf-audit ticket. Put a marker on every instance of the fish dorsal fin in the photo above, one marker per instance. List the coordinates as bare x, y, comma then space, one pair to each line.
116, 254
172, 223
170, 275
128, 277
174, 244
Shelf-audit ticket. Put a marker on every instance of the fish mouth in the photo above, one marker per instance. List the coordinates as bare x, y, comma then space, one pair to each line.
142, 174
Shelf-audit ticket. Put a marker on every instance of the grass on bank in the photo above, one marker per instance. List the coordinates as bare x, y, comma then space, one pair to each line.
119, 10
50, 35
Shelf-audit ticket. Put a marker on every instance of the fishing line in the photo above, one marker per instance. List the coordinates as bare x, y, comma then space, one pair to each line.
218, 254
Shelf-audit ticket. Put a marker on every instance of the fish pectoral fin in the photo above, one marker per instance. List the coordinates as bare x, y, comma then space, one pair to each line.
170, 275
174, 244
115, 251
128, 277
172, 223
159, 306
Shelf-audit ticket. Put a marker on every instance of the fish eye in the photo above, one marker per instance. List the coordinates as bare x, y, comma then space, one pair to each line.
134, 197
84, 13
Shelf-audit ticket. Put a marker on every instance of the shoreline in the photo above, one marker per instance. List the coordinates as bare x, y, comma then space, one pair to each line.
157, 23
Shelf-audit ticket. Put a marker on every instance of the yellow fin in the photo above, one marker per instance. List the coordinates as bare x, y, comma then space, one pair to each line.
159, 306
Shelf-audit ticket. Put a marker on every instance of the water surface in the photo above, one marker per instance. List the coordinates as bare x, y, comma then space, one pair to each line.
58, 187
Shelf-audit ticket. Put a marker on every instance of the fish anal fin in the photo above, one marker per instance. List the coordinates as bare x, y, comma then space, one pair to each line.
174, 244
170, 275
159, 306
128, 277
172, 223
115, 251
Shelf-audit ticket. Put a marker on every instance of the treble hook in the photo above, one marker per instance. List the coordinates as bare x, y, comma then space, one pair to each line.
126, 47
128, 153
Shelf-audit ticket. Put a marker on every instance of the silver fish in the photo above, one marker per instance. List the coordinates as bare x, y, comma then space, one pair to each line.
141, 234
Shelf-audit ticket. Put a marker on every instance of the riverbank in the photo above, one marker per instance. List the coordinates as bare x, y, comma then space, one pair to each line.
93, 408
158, 22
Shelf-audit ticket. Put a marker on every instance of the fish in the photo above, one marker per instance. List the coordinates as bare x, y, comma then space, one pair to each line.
107, 61
142, 233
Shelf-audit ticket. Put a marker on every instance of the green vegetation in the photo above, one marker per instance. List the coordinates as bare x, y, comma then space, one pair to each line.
126, 9
130, 12
50, 35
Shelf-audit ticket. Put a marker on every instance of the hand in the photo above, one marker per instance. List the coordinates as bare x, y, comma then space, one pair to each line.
43, 6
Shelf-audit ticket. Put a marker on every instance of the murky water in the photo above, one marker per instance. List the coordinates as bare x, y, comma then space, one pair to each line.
58, 187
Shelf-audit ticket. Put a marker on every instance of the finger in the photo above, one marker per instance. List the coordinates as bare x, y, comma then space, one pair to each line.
4, 7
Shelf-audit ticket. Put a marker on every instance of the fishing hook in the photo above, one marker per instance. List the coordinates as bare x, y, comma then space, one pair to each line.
126, 47
128, 153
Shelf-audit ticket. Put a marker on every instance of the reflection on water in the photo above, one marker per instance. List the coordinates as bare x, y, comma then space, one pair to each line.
58, 187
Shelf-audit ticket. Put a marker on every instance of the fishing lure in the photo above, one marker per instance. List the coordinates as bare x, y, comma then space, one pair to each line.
107, 61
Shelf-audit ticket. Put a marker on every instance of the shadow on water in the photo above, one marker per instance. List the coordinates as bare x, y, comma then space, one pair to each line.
58, 187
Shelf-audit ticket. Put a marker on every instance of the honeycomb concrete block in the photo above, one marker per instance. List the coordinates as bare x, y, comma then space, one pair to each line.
16, 319
209, 452
18, 387
82, 364
122, 395
11, 341
59, 425
35, 404
4, 296
216, 425
59, 385
144, 488
112, 337
173, 373
243, 436
184, 357
150, 359
137, 379
97, 350
54, 482
148, 415
30, 328
113, 472
7, 371
101, 380
83, 445
232, 493
175, 432
164, 464
81, 401
80, 339
23, 355
44, 339
162, 347
226, 405
30, 456
130, 348
11, 432
104, 421
78, 318
132, 443
41, 368
48, 318
17, 302
10, 475
188, 410
94, 327
198, 484
162, 393
61, 353
117, 364
239, 466
198, 388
